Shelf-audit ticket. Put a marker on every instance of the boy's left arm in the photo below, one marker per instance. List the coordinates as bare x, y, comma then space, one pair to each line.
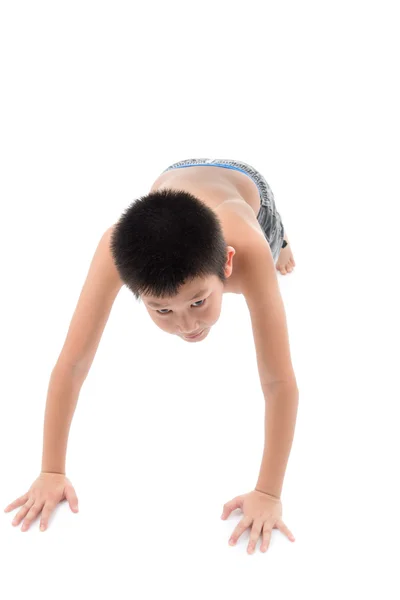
262, 294
278, 381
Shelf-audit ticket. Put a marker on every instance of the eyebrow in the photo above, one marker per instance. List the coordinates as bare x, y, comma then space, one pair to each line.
200, 293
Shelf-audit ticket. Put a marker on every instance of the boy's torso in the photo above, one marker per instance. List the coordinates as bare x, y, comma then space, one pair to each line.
227, 192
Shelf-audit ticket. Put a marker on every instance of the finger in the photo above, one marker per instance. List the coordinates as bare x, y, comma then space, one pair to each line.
18, 502
21, 513
239, 529
230, 506
254, 535
72, 498
46, 512
266, 536
32, 514
282, 527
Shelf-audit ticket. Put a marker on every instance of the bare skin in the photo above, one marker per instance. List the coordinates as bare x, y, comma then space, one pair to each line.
285, 262
224, 190
235, 199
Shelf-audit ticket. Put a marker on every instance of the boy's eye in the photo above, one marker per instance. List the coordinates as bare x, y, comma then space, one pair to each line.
165, 313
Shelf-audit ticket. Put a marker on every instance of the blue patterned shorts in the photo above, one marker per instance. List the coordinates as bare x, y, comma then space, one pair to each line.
268, 216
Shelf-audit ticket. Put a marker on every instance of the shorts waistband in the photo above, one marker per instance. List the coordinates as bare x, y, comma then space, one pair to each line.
215, 164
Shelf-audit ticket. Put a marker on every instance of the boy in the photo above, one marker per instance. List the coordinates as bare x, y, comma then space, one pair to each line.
207, 227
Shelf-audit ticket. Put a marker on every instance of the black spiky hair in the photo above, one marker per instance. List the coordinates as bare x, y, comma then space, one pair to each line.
166, 238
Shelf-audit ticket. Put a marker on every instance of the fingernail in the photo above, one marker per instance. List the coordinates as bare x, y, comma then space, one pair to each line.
42, 527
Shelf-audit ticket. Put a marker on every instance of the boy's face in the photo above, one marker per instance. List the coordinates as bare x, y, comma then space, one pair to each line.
184, 314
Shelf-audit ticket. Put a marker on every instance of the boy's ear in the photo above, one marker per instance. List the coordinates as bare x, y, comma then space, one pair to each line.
229, 260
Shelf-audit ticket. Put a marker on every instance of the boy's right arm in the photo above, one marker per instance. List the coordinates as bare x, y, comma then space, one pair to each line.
86, 328
87, 325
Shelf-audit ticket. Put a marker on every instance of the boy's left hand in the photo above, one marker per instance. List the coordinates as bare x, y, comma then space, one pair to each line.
261, 510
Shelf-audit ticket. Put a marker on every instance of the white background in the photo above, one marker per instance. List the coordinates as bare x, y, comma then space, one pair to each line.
97, 98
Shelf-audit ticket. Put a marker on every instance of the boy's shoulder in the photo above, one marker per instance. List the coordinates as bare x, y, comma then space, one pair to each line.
243, 232
239, 222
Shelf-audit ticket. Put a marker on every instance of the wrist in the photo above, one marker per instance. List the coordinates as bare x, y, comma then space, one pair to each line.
257, 489
52, 472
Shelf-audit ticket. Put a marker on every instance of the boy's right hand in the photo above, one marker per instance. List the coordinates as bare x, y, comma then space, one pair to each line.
45, 493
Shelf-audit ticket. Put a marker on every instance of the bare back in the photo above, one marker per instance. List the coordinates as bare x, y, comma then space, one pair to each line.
212, 185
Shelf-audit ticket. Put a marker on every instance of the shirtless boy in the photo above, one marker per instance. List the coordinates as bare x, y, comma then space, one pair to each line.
207, 227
